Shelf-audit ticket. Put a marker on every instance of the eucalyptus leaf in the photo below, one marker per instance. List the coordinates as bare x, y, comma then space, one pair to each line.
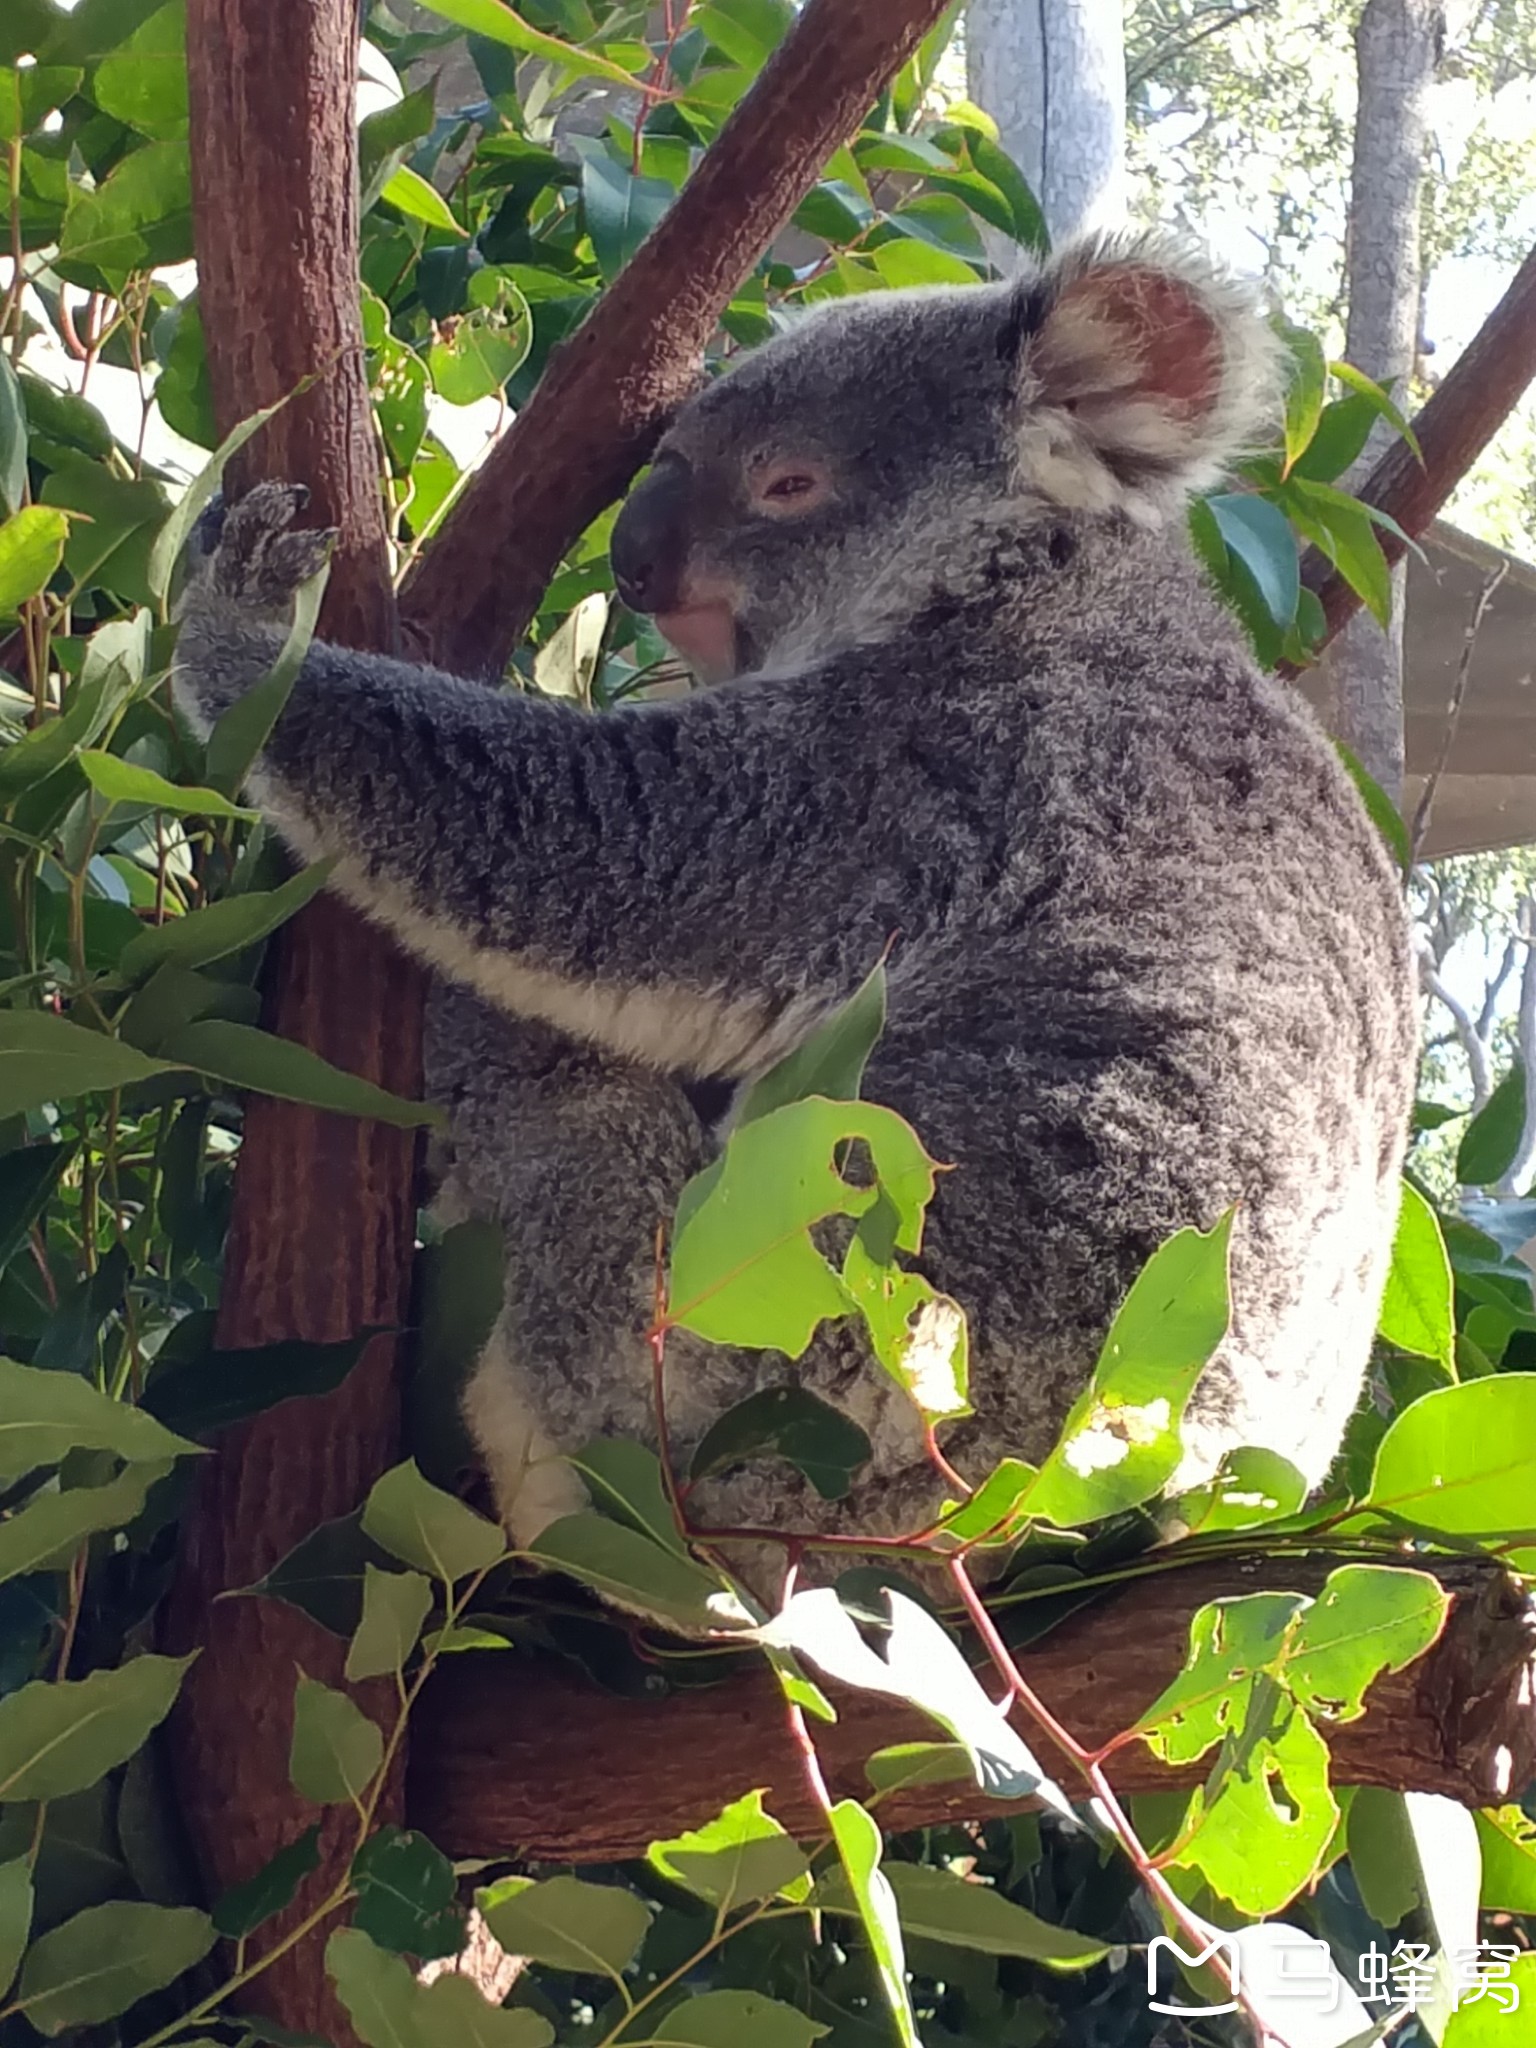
395, 1604
427, 1528
739, 1857
45, 1415
567, 1923
105, 1959
940, 1906
245, 1907
59, 1737
246, 1058
1416, 1310
44, 1058
336, 1749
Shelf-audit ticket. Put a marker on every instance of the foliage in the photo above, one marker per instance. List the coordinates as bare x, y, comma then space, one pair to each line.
138, 896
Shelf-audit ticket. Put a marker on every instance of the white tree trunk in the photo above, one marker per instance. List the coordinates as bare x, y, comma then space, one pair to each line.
1397, 49
1051, 73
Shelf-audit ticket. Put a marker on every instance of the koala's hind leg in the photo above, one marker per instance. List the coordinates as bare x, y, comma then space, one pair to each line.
579, 1157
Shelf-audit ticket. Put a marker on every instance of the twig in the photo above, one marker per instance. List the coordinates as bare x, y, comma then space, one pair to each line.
1091, 1764
1426, 801
1466, 1030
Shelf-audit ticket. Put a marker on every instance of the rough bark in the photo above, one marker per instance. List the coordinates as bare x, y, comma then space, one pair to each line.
321, 1238
509, 1751
609, 390
1397, 49
1461, 417
1051, 73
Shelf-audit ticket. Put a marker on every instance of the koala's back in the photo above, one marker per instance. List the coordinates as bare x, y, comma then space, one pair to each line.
1183, 985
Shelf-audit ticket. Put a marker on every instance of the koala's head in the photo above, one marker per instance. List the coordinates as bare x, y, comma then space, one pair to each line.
825, 488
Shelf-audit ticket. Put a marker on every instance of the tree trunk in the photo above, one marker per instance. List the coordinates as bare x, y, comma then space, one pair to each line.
323, 1226
1051, 73
1397, 48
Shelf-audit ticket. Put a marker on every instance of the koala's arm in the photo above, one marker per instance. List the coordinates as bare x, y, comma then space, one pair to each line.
684, 881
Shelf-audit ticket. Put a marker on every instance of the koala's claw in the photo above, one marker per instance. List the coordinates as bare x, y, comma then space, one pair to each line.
258, 560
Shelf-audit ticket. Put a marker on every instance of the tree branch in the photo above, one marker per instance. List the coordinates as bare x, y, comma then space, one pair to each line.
509, 1750
1461, 417
608, 391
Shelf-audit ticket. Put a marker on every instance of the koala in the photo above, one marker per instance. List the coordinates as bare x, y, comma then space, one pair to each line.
970, 698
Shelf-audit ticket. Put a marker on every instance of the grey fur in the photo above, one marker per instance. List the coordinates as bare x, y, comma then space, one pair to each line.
1151, 956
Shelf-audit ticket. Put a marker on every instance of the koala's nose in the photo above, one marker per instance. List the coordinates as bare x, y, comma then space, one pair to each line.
649, 544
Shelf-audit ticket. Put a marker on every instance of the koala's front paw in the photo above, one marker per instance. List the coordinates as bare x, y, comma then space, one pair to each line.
258, 560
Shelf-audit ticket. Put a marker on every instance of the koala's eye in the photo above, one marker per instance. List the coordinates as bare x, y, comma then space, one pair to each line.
790, 487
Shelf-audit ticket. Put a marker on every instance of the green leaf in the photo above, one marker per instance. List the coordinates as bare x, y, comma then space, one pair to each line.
746, 31
739, 1857
1000, 170
15, 1917
246, 1058
627, 1567
917, 1334
997, 1507
89, 704
31, 548
379, 1991
1383, 813
1232, 1644
620, 208
45, 1415
240, 733
831, 1061
428, 1529
30, 92
905, 261
626, 1482
410, 193
109, 537
143, 80
121, 782
453, 2012
1366, 1619
48, 1532
324, 1574
1120, 1444
858, 1845
787, 1422
336, 1749
107, 1958
1260, 1838
28, 1177
13, 440
405, 1895
1379, 398
1251, 1486
1257, 533
1491, 1142
483, 351
219, 929
60, 1737
502, 25
593, 1929
902, 1764
1304, 398
736, 2019
384, 138
1457, 1463
45, 1059
1382, 1857
244, 1907
1485, 2022
1416, 1310
938, 1906
1343, 428
204, 1394
1342, 529
138, 217
1508, 1837
395, 1604
744, 1267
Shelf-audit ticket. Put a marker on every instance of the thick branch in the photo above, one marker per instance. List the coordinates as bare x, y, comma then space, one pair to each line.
608, 390
1477, 395
321, 1237
509, 1753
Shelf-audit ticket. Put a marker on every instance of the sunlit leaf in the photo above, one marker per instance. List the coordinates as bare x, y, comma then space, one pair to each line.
31, 548
741, 1856
567, 1923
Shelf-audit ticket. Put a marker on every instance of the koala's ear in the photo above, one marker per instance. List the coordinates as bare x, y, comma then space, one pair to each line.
1142, 373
